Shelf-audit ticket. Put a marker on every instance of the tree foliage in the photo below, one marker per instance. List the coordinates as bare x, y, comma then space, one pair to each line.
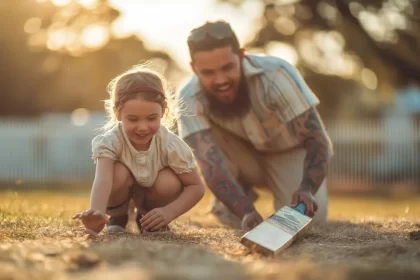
378, 40
353, 54
59, 58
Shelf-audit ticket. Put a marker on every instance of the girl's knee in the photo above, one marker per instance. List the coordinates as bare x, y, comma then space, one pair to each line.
167, 184
122, 176
122, 180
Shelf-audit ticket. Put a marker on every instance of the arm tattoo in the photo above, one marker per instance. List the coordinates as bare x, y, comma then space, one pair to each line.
216, 174
310, 133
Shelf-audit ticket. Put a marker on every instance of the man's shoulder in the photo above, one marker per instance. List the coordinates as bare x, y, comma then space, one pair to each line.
190, 98
268, 63
190, 89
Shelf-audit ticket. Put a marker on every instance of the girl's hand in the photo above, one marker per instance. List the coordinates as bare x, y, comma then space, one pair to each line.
156, 219
94, 221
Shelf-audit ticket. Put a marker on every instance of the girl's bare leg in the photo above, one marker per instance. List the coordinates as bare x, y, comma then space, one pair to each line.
166, 189
119, 199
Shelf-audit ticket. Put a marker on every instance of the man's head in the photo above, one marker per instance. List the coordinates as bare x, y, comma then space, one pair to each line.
216, 59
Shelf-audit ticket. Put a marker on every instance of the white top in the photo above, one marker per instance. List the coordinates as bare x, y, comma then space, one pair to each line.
166, 150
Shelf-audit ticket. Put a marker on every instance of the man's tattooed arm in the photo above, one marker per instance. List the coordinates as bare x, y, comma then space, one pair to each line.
310, 133
216, 174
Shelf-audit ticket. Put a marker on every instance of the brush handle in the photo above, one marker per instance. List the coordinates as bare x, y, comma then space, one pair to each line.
301, 208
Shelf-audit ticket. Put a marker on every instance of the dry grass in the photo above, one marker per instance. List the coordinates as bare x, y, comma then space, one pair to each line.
366, 239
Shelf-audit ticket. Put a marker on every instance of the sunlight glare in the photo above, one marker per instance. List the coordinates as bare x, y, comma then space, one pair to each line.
325, 54
285, 2
95, 36
88, 4
167, 29
331, 42
80, 117
308, 51
350, 66
72, 42
285, 26
372, 23
120, 28
37, 40
61, 3
343, 65
282, 50
398, 21
56, 39
369, 79
327, 11
403, 4
32, 25
285, 10
355, 8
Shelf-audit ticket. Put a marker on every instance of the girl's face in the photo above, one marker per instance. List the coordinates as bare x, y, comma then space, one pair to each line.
141, 120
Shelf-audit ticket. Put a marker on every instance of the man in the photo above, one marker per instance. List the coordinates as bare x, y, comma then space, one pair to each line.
251, 120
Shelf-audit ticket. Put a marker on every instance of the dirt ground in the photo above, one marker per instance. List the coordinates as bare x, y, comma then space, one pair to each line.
366, 238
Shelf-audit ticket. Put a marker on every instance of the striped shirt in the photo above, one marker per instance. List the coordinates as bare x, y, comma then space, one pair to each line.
278, 94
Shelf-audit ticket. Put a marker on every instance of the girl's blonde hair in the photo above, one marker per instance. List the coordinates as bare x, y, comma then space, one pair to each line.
139, 81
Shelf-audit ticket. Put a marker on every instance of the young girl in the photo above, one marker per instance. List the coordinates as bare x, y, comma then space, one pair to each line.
138, 158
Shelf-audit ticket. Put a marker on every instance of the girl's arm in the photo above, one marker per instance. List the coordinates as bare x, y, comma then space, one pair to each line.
102, 184
192, 194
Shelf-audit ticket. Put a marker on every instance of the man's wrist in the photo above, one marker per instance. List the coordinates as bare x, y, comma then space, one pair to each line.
246, 208
308, 188
305, 187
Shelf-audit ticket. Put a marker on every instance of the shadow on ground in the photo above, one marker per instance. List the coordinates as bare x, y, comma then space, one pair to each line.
339, 250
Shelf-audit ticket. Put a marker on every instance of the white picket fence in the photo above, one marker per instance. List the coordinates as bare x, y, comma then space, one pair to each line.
52, 149
376, 152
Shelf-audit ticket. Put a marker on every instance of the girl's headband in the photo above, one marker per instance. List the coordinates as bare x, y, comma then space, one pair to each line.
144, 89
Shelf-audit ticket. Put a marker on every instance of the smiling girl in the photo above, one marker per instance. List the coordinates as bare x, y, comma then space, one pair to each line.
139, 158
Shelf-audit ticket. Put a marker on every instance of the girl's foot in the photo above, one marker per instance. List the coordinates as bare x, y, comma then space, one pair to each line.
117, 223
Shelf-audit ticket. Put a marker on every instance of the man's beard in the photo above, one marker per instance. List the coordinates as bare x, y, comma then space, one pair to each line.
237, 108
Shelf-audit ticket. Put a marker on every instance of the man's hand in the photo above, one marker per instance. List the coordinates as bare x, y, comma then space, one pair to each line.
156, 219
308, 199
94, 221
251, 220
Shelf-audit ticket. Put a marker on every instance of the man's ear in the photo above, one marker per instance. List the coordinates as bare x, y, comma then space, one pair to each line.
241, 53
193, 67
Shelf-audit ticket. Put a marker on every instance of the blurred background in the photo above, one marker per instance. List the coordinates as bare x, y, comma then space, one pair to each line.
361, 58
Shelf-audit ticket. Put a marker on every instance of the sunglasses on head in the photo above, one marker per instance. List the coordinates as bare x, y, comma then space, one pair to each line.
219, 30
